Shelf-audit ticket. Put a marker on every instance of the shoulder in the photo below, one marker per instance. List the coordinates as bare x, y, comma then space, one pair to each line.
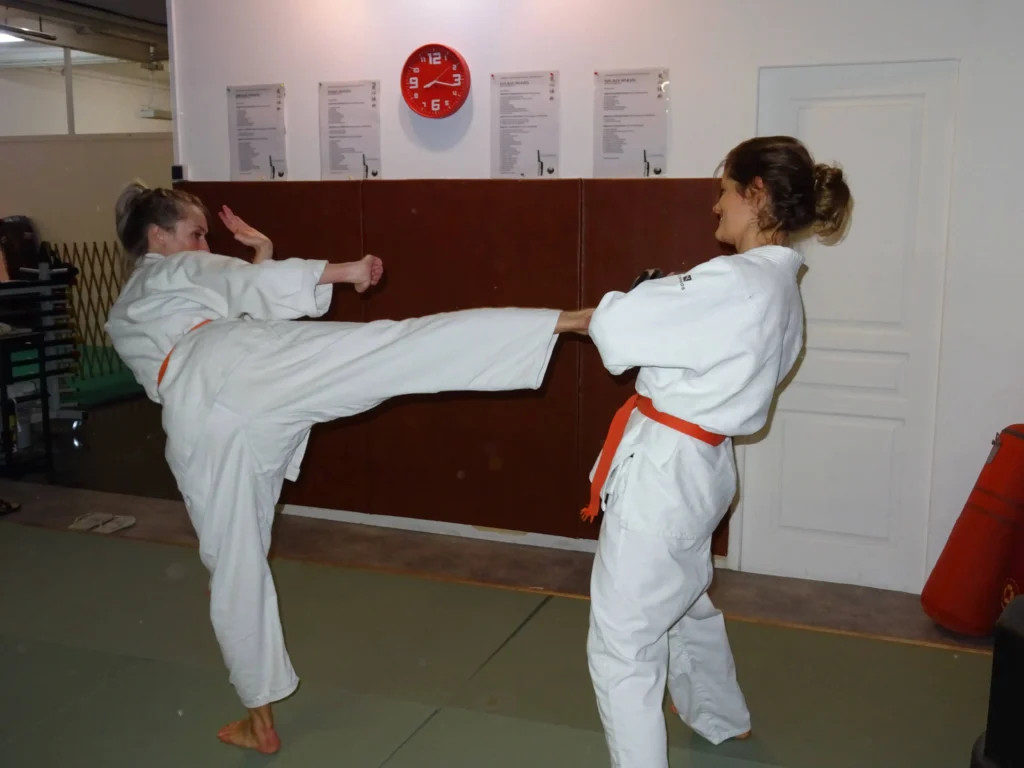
199, 256
726, 273
191, 261
773, 268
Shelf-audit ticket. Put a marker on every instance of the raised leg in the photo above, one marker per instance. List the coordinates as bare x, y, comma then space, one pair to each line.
317, 372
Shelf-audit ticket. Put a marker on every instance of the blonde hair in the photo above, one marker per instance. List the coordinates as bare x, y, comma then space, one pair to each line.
138, 208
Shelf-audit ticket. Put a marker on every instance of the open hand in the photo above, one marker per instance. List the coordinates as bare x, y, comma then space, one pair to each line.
247, 235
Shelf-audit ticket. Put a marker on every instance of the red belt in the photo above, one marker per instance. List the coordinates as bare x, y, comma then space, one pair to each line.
163, 366
618, 429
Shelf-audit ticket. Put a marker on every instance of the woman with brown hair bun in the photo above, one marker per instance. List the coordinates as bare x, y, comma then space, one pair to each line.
712, 346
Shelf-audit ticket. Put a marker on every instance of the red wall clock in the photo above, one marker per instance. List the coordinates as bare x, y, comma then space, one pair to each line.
435, 81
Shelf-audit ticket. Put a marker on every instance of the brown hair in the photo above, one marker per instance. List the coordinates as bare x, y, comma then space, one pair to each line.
801, 194
139, 207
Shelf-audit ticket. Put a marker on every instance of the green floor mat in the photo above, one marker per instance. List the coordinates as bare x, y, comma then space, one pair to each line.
111, 638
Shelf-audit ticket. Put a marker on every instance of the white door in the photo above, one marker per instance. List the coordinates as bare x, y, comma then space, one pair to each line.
837, 489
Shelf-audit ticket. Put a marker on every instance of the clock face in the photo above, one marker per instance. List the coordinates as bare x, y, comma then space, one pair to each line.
435, 81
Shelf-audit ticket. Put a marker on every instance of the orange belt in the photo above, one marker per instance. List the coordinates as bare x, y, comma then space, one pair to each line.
163, 366
618, 429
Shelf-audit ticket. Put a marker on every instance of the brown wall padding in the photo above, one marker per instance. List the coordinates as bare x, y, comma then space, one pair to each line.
516, 461
495, 461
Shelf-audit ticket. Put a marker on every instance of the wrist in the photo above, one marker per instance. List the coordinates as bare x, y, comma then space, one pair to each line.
574, 322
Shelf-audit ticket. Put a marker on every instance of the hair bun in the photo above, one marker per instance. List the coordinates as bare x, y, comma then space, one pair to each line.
831, 199
826, 176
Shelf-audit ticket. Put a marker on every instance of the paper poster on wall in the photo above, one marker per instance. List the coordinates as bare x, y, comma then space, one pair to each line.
524, 125
350, 130
257, 134
631, 123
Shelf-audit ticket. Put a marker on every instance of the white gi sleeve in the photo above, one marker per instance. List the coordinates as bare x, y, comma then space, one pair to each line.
273, 290
693, 321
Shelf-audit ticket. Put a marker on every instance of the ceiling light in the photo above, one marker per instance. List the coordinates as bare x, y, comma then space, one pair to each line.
20, 33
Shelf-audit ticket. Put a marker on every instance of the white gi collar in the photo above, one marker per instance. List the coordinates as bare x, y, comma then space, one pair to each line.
779, 254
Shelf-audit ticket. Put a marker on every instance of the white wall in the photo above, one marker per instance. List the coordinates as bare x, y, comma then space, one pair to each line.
714, 51
68, 184
33, 101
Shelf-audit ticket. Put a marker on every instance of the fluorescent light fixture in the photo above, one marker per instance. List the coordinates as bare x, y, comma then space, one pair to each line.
20, 33
5, 38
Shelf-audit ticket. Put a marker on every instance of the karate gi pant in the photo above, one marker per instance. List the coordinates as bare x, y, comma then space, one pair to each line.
651, 621
239, 401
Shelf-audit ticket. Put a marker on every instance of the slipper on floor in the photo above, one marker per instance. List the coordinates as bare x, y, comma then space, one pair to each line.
90, 521
116, 523
8, 507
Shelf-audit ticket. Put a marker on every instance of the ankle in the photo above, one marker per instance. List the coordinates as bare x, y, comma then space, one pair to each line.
262, 717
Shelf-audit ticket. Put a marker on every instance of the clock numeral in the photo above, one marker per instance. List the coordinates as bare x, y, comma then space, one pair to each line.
458, 79
414, 82
435, 105
454, 67
434, 58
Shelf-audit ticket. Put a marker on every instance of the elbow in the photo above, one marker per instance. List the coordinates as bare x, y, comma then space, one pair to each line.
613, 362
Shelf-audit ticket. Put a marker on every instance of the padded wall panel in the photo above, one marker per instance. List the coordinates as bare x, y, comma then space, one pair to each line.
503, 460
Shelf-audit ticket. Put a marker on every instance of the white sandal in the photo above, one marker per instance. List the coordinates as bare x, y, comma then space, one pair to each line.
117, 523
90, 521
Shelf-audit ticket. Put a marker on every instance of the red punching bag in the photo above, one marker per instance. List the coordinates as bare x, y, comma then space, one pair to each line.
981, 568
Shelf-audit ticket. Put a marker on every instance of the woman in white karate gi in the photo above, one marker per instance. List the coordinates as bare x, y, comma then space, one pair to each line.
214, 341
712, 345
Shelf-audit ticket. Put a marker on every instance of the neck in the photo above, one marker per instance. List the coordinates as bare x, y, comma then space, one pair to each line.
758, 238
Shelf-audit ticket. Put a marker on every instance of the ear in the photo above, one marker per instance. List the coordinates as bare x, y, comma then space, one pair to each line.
756, 187
757, 193
155, 233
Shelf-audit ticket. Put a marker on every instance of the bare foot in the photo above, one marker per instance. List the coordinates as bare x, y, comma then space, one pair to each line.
741, 737
372, 270
255, 732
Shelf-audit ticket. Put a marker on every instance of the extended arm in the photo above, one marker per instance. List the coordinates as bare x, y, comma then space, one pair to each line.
685, 321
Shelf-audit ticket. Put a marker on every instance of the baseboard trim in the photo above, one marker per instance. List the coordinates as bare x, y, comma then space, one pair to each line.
500, 535
445, 529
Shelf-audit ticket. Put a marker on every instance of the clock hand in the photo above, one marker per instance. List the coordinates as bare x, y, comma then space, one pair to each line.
438, 77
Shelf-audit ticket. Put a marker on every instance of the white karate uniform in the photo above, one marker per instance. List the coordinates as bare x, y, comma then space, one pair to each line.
241, 394
712, 347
